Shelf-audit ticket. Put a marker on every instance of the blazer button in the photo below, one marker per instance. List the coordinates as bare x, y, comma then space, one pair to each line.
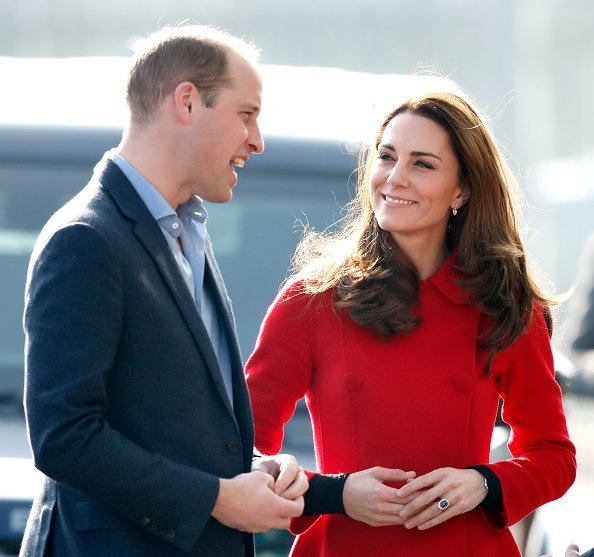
146, 521
170, 533
233, 447
463, 382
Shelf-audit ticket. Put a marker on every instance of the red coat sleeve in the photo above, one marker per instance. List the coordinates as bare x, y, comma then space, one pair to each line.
279, 372
543, 464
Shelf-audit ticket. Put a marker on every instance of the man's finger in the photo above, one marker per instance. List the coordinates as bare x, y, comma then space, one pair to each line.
291, 508
296, 488
289, 472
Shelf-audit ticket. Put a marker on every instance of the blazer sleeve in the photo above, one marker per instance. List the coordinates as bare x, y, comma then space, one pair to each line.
279, 372
543, 464
73, 323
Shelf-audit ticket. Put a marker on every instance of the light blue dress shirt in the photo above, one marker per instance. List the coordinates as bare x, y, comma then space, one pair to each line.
188, 224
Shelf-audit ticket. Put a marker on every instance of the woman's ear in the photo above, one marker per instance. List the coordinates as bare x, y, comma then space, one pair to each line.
463, 196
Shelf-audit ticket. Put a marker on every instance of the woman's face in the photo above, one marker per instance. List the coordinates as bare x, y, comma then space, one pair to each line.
415, 181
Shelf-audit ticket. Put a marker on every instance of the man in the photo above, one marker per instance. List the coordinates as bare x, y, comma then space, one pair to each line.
137, 410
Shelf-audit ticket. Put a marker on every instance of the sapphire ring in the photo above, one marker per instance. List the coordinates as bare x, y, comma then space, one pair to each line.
443, 504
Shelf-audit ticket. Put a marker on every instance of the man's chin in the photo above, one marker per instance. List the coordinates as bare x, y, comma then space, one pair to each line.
222, 198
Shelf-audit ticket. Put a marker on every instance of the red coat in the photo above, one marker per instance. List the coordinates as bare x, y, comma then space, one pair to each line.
417, 402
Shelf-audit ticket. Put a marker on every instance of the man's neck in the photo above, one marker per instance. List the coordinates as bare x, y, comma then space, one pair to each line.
155, 161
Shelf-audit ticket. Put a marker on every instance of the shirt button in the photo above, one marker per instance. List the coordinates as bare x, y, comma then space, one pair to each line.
170, 533
175, 225
233, 447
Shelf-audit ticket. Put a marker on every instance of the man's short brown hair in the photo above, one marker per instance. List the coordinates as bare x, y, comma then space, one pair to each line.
172, 55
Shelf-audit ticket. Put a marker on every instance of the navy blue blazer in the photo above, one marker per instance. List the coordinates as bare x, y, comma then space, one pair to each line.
127, 412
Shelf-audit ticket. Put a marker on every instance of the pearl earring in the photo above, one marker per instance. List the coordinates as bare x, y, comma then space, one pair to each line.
455, 210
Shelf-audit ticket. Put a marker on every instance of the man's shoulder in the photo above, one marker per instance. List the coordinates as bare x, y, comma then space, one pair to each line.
98, 202
91, 208
90, 205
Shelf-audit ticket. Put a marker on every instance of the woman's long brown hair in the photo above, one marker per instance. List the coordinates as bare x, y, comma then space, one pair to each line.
375, 281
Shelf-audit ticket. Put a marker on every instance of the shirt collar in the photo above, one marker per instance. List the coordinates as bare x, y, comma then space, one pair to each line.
193, 209
153, 200
158, 207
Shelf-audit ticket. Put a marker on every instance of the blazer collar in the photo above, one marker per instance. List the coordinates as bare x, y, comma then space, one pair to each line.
148, 232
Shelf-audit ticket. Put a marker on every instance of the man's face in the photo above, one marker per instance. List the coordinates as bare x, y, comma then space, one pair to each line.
221, 138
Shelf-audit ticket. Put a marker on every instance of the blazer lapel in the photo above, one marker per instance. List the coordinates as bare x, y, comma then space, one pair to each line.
240, 393
151, 237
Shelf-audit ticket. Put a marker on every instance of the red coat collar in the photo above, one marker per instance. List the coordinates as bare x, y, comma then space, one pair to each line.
448, 281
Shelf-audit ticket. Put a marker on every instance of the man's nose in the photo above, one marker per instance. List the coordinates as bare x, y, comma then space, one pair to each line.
256, 140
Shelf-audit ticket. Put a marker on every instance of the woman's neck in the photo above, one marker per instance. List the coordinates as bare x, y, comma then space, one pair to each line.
427, 259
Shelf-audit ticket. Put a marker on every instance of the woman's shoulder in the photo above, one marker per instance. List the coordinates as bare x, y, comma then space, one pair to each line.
298, 292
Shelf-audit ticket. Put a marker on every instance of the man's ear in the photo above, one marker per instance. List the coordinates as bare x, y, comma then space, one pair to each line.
186, 100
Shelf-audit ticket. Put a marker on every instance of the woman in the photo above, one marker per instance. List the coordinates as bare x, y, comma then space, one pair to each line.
402, 331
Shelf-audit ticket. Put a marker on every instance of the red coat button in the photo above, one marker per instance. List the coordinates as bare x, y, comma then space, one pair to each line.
463, 382
352, 381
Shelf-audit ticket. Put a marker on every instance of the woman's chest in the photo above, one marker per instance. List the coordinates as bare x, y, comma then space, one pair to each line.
437, 357
424, 387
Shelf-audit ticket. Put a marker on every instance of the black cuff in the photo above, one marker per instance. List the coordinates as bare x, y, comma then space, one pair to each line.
324, 495
494, 498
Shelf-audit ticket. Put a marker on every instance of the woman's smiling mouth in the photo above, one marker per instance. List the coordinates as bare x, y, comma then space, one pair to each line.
398, 201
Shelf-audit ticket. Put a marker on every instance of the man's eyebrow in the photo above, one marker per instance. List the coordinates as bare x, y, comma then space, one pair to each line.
254, 107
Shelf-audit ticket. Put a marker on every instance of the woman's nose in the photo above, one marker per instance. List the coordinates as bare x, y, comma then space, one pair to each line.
398, 176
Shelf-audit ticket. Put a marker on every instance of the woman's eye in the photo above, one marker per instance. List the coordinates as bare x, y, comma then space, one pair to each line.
424, 164
386, 157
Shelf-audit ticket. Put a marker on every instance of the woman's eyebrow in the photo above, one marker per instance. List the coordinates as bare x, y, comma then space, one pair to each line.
425, 154
390, 147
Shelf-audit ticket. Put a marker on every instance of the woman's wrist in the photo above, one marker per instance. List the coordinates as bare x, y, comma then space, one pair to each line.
324, 495
494, 497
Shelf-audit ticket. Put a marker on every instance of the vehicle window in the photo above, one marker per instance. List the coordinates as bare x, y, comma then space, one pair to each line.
254, 237
28, 196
